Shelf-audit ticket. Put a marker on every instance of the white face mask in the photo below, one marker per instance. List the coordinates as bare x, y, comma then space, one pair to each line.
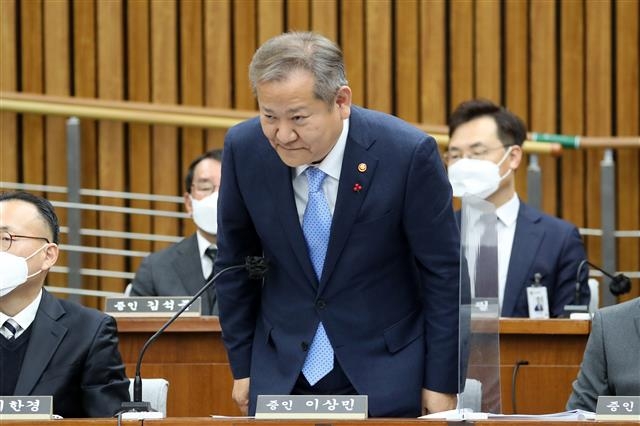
205, 213
476, 177
14, 271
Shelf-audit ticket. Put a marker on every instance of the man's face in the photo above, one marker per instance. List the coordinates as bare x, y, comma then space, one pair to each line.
19, 217
301, 128
206, 181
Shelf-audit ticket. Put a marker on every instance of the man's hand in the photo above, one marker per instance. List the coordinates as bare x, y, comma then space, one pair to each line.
240, 394
435, 402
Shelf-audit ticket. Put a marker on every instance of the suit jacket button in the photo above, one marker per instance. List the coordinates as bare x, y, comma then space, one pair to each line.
305, 346
320, 304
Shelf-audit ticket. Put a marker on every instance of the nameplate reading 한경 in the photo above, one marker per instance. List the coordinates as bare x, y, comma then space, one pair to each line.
25, 407
151, 306
618, 408
312, 407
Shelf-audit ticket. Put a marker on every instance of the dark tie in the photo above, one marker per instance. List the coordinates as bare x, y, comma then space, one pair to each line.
10, 328
316, 226
211, 252
487, 261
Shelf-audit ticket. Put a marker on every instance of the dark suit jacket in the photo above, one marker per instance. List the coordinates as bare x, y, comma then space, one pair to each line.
73, 355
611, 365
174, 271
552, 247
388, 296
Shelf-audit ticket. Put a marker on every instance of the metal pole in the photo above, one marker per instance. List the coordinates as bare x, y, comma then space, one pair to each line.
534, 182
74, 258
608, 217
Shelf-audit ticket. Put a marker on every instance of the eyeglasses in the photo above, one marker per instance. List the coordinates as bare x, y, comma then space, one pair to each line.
6, 239
206, 188
477, 153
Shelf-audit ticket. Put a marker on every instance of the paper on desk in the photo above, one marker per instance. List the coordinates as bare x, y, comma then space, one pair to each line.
467, 414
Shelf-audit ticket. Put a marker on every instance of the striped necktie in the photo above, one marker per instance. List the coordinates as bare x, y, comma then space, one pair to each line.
10, 328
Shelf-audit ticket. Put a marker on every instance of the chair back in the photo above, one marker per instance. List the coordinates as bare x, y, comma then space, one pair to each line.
154, 391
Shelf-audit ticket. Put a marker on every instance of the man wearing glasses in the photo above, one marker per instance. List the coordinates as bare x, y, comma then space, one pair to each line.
183, 268
50, 346
484, 152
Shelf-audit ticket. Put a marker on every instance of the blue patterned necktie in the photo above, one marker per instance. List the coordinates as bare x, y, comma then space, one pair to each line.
10, 328
316, 225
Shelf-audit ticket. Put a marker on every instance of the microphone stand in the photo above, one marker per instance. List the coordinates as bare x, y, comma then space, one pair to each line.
256, 267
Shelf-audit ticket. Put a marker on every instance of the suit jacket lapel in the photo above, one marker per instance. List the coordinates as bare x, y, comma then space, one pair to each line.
278, 175
526, 242
349, 200
46, 336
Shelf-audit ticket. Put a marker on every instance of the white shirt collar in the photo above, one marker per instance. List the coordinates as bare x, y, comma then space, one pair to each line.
26, 316
203, 244
508, 212
332, 163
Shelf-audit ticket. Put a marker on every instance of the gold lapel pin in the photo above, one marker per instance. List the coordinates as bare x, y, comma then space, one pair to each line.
362, 167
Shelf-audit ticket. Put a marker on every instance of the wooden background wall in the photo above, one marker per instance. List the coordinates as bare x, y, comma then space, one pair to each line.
564, 66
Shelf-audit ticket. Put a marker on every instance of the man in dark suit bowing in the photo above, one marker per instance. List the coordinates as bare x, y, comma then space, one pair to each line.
484, 152
51, 346
183, 268
352, 210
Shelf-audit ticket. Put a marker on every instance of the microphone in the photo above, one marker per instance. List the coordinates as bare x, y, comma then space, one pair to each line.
256, 268
620, 284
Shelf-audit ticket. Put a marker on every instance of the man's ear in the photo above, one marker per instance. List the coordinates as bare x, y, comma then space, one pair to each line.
51, 256
343, 100
187, 203
515, 157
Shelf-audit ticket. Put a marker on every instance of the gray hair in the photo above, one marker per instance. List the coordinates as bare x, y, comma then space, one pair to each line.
279, 56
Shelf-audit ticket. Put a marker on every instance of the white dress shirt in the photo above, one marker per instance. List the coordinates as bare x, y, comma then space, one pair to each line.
507, 215
25, 317
205, 261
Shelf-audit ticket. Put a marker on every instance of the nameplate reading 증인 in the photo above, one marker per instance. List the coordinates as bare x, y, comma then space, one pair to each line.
312, 407
26, 407
151, 306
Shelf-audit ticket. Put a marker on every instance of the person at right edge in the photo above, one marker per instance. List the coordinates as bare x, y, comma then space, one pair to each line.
484, 152
353, 212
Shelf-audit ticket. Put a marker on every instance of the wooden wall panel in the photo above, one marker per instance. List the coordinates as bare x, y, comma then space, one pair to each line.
406, 70
139, 135
598, 81
164, 90
324, 18
488, 54
111, 153
543, 90
32, 79
8, 81
378, 47
627, 93
270, 19
298, 15
516, 71
353, 42
461, 46
244, 45
572, 108
433, 72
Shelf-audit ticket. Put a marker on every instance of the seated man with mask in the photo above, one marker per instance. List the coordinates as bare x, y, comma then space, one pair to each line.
183, 268
484, 152
49, 346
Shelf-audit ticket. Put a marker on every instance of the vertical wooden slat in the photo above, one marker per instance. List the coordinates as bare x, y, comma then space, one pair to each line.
9, 171
598, 108
572, 108
139, 145
244, 45
324, 18
164, 90
432, 64
84, 85
270, 19
56, 57
218, 75
192, 82
111, 154
407, 50
298, 15
461, 48
352, 41
32, 82
544, 90
627, 124
516, 69
488, 52
378, 46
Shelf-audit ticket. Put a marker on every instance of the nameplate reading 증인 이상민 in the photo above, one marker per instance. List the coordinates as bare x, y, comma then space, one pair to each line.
618, 408
26, 407
312, 407
151, 306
